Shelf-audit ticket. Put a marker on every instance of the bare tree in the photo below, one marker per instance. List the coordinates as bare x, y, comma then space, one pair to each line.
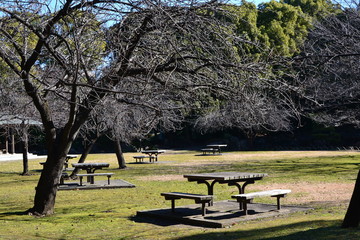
123, 122
329, 79
261, 106
17, 115
170, 51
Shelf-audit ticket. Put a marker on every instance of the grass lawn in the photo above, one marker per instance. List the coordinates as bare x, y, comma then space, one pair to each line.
320, 179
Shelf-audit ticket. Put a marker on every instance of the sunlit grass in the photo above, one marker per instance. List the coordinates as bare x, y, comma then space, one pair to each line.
110, 214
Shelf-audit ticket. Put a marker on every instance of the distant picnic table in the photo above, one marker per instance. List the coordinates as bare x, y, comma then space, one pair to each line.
90, 170
66, 163
153, 154
216, 147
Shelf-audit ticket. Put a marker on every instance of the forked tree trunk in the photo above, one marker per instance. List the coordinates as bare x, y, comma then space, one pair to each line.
352, 217
119, 154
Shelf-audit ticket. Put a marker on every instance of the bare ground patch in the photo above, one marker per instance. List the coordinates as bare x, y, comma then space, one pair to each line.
170, 177
304, 192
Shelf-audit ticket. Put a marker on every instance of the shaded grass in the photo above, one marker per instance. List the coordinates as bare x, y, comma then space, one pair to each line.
110, 214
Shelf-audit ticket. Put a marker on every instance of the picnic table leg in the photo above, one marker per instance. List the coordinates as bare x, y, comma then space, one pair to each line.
203, 209
90, 179
238, 185
241, 190
245, 184
173, 205
245, 207
210, 188
81, 180
278, 202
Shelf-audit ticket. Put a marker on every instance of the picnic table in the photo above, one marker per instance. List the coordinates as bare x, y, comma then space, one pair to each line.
216, 147
90, 168
66, 163
153, 154
229, 178
68, 157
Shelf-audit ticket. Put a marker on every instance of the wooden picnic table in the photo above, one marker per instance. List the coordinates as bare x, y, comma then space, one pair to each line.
229, 178
90, 168
217, 146
66, 163
153, 153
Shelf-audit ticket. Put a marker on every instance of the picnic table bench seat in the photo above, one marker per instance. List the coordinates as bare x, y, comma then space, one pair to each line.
245, 198
199, 198
209, 150
91, 176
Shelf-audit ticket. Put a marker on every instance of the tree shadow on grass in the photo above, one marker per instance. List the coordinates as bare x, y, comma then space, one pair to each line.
15, 213
315, 230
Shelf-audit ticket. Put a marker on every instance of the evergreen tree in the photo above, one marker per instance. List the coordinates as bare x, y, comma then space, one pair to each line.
283, 27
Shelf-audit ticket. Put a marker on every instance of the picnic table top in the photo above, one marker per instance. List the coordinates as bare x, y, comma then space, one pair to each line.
153, 151
225, 176
90, 165
217, 145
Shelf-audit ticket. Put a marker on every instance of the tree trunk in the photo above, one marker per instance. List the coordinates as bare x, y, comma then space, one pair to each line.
250, 140
25, 147
119, 154
46, 190
25, 157
352, 217
84, 155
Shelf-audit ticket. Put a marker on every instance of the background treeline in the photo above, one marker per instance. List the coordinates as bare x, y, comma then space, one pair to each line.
281, 27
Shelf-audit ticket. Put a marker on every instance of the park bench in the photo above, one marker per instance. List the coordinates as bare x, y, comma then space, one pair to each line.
92, 175
209, 150
203, 199
245, 198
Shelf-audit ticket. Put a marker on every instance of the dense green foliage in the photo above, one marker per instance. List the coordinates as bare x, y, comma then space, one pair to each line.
314, 8
279, 26
283, 27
